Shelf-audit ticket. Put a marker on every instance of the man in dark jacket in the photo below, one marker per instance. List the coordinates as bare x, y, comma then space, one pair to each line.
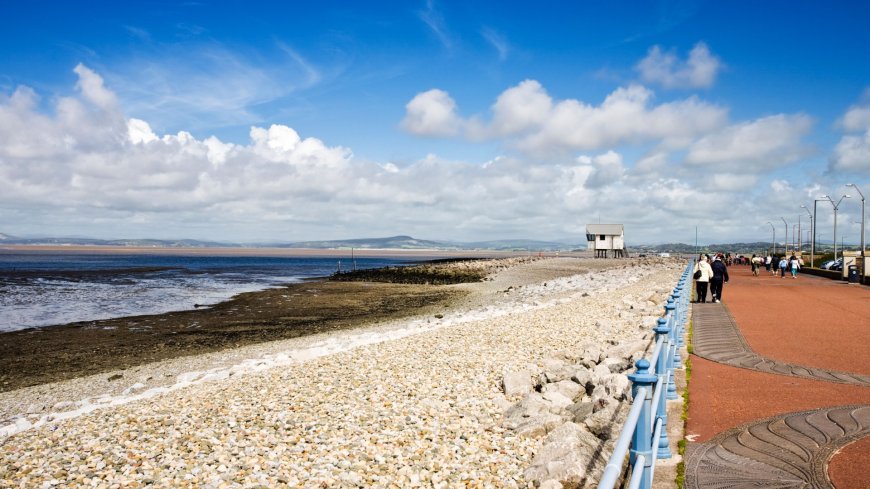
720, 277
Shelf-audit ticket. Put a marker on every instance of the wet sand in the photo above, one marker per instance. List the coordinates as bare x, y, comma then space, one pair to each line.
41, 355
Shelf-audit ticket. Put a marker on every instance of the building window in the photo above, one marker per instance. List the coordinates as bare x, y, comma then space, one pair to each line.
600, 237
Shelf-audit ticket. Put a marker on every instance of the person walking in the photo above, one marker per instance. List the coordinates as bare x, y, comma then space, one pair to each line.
720, 277
753, 263
767, 261
702, 274
783, 264
794, 265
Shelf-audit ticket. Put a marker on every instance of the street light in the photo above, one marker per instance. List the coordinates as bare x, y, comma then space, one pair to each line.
836, 206
795, 237
863, 254
773, 238
816, 221
785, 242
813, 229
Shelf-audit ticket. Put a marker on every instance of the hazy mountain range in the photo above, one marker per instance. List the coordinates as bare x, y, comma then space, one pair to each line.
393, 242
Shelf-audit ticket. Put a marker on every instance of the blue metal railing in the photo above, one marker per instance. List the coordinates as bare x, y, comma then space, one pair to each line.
644, 437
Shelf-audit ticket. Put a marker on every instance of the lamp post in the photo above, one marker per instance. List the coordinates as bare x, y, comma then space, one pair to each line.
863, 215
836, 206
785, 241
773, 238
813, 229
816, 221
795, 237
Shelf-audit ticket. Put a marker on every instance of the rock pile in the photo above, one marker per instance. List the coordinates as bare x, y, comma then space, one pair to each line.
577, 402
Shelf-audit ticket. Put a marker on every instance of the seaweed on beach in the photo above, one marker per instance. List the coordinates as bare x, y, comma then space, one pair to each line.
433, 273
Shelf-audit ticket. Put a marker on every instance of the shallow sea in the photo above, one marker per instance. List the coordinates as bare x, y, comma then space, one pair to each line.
51, 288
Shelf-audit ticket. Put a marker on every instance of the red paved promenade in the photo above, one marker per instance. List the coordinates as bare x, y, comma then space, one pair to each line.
808, 321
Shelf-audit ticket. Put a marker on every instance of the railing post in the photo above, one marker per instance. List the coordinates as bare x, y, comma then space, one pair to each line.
672, 382
677, 328
681, 311
641, 440
672, 348
663, 373
672, 321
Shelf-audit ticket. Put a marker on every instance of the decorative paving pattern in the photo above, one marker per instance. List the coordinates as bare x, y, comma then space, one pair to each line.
717, 338
785, 451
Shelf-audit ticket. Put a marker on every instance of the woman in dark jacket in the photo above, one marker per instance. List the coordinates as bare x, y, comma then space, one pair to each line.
720, 277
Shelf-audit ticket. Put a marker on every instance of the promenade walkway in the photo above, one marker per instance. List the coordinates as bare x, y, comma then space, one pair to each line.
780, 387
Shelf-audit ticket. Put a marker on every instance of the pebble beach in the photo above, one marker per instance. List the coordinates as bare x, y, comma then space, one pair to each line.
410, 403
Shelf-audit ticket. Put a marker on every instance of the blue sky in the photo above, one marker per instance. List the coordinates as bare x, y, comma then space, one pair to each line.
256, 121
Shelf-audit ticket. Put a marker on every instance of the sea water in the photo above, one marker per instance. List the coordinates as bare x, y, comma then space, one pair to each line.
52, 288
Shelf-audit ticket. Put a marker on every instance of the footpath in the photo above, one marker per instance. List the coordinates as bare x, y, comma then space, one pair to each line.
779, 394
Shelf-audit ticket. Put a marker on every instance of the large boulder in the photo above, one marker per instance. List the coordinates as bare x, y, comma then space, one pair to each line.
535, 426
584, 377
565, 455
554, 370
532, 417
606, 423
627, 349
580, 410
567, 388
617, 364
517, 383
617, 386
591, 355
600, 372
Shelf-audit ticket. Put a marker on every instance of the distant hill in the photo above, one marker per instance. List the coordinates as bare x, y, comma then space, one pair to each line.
737, 248
146, 243
522, 245
401, 242
393, 242
683, 248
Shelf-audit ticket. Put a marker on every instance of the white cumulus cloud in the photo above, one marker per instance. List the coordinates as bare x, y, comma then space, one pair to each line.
432, 113
754, 146
605, 170
852, 152
526, 117
699, 70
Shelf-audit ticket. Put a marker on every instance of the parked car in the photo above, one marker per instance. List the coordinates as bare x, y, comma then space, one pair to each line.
826, 264
838, 265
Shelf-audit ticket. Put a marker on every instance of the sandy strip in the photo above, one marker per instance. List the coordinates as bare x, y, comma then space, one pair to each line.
401, 405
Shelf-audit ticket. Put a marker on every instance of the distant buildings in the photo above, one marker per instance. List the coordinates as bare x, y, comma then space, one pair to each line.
607, 240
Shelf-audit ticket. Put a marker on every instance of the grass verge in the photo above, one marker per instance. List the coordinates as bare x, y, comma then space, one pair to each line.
681, 445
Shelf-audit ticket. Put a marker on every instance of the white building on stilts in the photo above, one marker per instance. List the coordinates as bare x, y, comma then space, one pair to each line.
607, 240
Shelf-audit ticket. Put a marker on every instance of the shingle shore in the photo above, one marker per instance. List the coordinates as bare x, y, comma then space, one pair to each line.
420, 411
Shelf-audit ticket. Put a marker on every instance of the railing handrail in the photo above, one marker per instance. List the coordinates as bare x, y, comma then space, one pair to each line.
656, 351
614, 464
650, 405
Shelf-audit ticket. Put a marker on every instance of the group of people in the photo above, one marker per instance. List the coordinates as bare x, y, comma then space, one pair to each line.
713, 273
777, 265
710, 273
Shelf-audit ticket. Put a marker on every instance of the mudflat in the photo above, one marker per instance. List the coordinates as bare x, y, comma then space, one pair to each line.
49, 354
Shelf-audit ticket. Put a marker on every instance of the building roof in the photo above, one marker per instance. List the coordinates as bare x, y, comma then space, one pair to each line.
608, 229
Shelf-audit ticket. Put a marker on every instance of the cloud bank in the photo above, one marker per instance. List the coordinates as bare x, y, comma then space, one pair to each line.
84, 165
